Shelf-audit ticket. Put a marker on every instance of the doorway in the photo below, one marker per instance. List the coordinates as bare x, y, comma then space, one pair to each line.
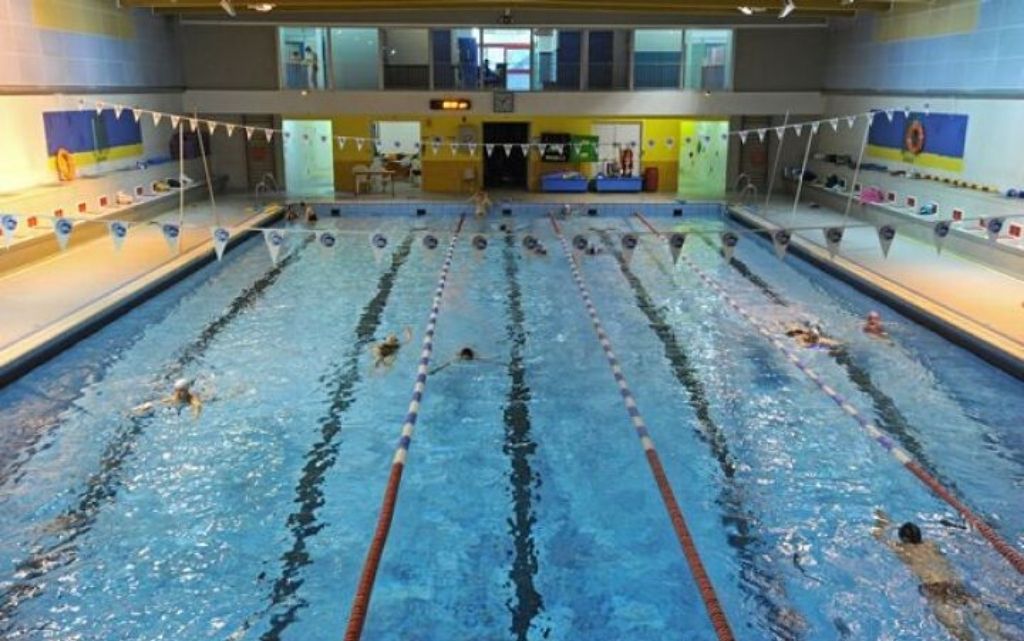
398, 155
506, 166
308, 157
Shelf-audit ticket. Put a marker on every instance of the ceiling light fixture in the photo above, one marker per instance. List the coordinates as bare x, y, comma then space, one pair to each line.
227, 7
787, 9
745, 10
262, 7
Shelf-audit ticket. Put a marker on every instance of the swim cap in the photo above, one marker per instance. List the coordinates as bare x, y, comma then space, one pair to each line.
874, 314
910, 533
181, 384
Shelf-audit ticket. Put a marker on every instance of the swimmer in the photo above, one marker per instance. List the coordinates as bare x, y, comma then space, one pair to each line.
290, 214
481, 203
566, 211
465, 355
873, 325
308, 212
181, 397
949, 598
810, 336
386, 351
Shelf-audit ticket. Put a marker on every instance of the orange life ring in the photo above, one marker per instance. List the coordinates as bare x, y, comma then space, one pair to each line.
913, 139
65, 165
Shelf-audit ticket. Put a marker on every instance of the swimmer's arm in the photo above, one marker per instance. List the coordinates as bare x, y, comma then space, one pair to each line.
882, 523
197, 405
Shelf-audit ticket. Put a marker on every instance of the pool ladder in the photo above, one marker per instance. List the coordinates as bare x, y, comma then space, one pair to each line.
746, 192
267, 184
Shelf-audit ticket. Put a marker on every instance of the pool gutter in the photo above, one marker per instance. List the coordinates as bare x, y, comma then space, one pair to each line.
988, 345
23, 356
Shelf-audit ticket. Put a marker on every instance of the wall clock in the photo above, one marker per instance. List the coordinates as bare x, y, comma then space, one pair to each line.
504, 102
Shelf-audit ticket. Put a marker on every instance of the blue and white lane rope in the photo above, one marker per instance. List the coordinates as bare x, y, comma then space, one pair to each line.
704, 586
361, 601
1011, 554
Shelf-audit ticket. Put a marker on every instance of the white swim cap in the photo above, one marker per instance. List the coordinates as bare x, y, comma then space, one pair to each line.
181, 384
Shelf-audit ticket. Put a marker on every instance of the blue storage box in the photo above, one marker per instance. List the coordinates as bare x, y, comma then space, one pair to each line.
625, 184
561, 182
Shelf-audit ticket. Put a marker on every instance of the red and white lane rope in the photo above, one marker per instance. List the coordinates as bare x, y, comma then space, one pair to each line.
1011, 554
361, 601
707, 591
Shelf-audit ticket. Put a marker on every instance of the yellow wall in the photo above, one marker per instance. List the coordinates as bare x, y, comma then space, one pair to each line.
446, 173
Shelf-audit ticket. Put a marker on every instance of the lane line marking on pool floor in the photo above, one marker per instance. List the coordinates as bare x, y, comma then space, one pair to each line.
364, 590
704, 586
1011, 554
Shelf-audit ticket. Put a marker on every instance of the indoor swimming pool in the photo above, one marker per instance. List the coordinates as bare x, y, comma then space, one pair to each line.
527, 507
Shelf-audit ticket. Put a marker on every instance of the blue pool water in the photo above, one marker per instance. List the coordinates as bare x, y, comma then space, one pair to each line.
527, 508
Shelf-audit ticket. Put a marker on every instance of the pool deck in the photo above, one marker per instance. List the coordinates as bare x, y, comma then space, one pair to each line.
53, 302
972, 304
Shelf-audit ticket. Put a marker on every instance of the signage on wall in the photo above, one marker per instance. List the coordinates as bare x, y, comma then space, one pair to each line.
935, 140
450, 104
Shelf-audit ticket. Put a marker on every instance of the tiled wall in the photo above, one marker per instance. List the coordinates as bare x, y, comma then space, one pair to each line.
948, 45
85, 43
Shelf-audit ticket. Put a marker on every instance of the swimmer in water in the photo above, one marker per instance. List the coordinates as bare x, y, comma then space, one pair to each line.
873, 325
386, 352
465, 355
810, 336
951, 601
290, 214
308, 212
181, 397
481, 203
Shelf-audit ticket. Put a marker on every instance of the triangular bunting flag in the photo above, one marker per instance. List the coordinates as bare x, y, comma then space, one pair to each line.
939, 232
136, 113
525, 149
117, 111
156, 118
489, 149
508, 150
780, 132
62, 230
780, 241
472, 148
341, 140
454, 147
675, 245
729, 242
889, 114
9, 223
275, 241
174, 121
833, 237
798, 129
327, 239
99, 108
743, 137
229, 128
220, 240
435, 147
359, 143
629, 244
761, 133
378, 243
269, 133
835, 124
118, 232
851, 121
906, 113
248, 132
886, 234
193, 123
172, 235
993, 226
814, 128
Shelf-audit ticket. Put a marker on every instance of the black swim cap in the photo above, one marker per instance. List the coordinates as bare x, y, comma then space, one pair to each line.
466, 354
910, 533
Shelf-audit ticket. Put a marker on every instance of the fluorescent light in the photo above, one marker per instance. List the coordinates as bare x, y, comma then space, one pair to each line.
747, 11
228, 9
787, 9
262, 7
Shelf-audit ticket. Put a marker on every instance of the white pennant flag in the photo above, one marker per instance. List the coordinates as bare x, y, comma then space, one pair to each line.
629, 244
172, 235
118, 232
194, 124
835, 124
269, 133
675, 245
9, 223
761, 133
326, 240
341, 140
136, 113
117, 111
99, 108
62, 230
378, 243
798, 129
580, 244
814, 128
780, 132
489, 149
743, 137
886, 234
275, 241
939, 233
435, 147
833, 237
221, 237
174, 121
525, 148
508, 150
248, 132
454, 147
889, 114
906, 113
851, 121
156, 118
780, 241
993, 226
228, 127
729, 242
359, 143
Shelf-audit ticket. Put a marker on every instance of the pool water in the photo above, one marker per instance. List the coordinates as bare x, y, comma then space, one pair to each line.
527, 508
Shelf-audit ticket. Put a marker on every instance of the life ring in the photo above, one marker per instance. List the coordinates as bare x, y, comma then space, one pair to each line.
913, 139
65, 165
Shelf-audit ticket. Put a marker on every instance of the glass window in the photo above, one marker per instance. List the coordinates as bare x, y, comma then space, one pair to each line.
355, 58
456, 58
708, 59
302, 57
506, 63
406, 61
657, 61
556, 59
608, 59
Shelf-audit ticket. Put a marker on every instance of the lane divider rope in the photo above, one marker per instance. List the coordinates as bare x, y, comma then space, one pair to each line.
1011, 554
707, 591
364, 590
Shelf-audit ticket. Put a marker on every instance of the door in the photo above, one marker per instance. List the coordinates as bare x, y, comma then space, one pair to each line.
505, 169
308, 157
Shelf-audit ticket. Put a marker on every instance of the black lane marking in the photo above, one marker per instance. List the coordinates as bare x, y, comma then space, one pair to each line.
519, 446
783, 622
102, 486
890, 418
323, 455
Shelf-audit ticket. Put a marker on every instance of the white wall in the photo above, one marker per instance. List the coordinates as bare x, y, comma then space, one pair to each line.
993, 154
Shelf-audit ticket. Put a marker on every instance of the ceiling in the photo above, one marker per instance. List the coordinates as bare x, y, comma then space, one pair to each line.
528, 12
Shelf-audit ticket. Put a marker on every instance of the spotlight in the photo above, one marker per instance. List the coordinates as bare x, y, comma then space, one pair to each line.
787, 9
745, 10
227, 7
262, 7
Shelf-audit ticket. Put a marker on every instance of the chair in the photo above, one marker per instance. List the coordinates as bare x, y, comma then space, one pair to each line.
361, 178
469, 178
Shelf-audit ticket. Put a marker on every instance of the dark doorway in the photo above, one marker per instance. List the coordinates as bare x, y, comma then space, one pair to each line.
505, 167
